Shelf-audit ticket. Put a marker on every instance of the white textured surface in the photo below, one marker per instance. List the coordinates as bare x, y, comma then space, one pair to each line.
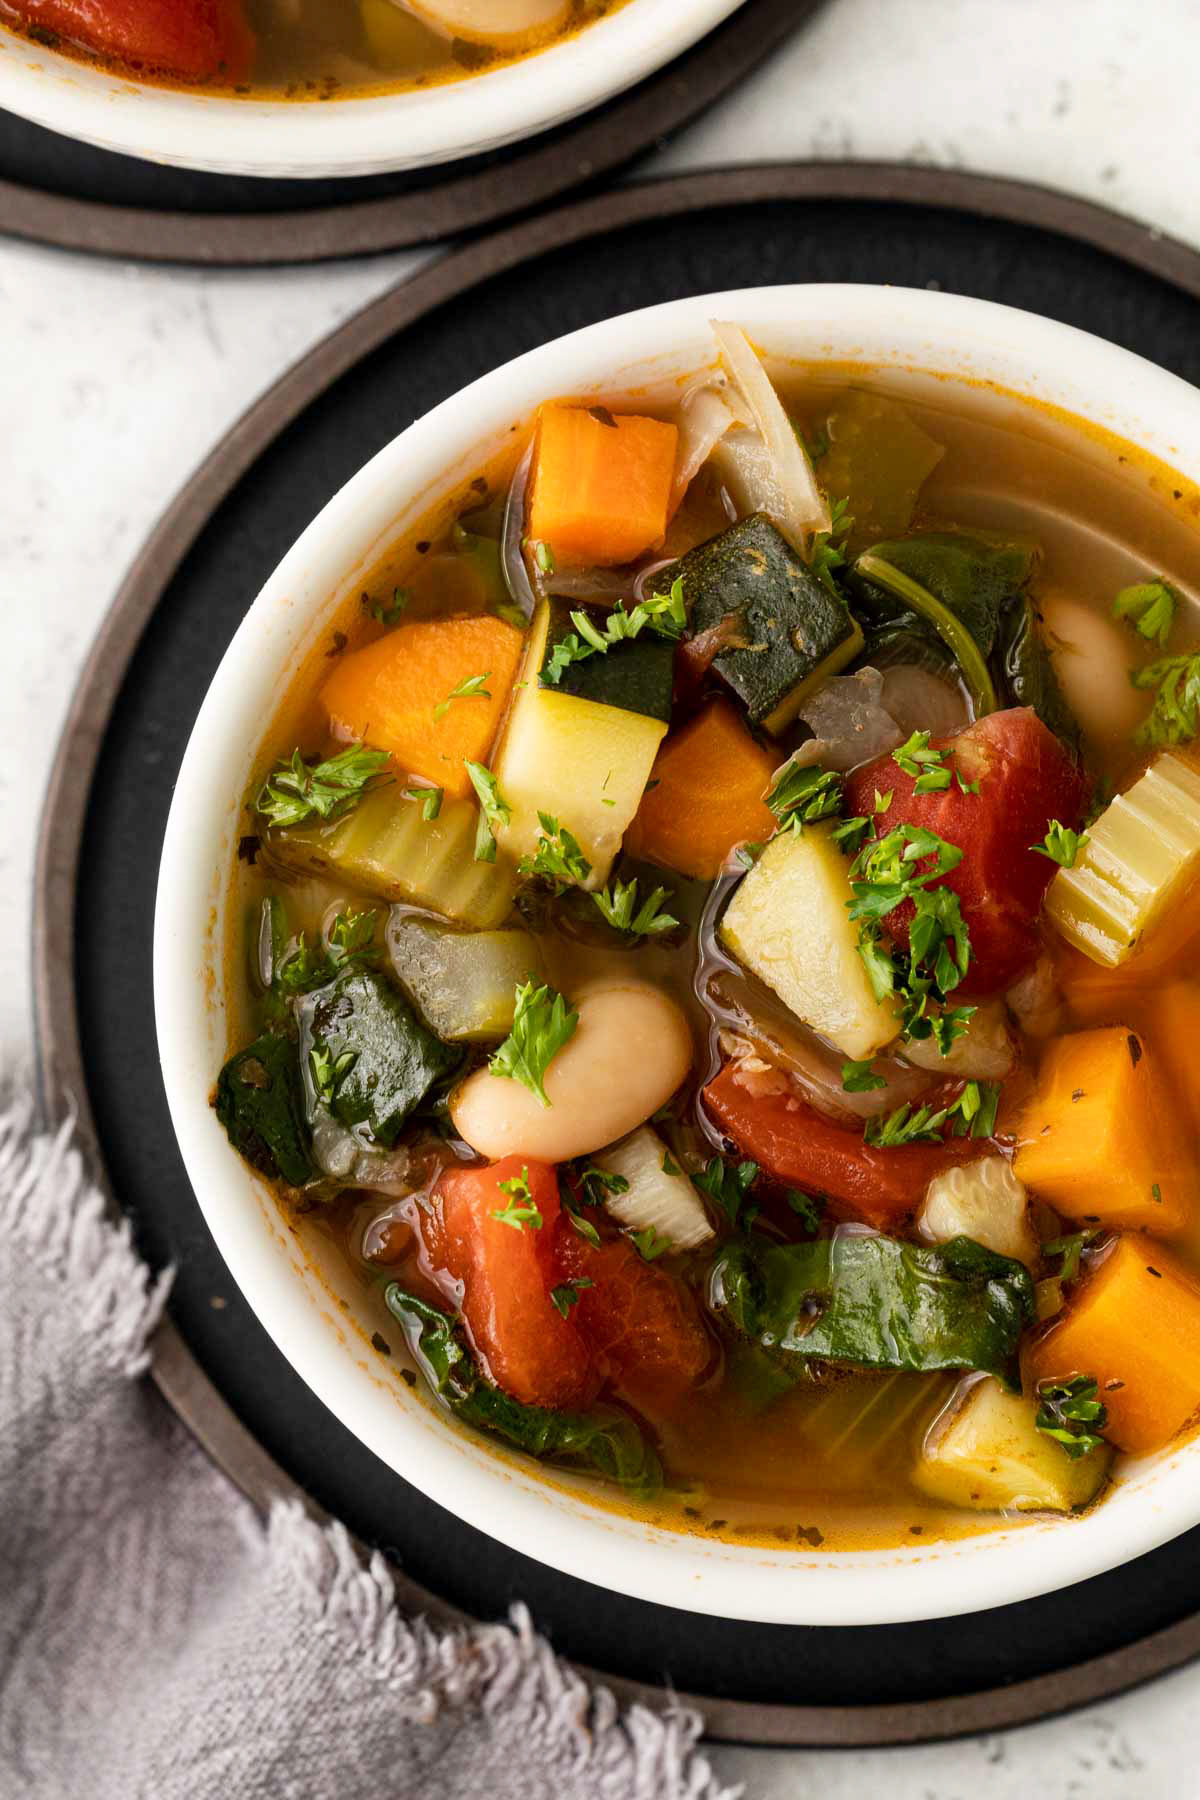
115, 380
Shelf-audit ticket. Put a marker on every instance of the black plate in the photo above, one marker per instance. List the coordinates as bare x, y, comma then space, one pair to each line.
190, 589
62, 192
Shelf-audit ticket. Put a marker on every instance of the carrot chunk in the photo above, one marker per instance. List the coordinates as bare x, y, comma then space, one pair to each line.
1098, 1139
1133, 1324
705, 796
640, 1322
506, 1272
193, 39
391, 694
601, 483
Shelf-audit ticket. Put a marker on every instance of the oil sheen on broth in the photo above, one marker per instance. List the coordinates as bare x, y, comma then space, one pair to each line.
845, 1135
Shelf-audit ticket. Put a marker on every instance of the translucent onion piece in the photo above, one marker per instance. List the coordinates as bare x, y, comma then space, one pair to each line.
704, 419
984, 1052
920, 701
501, 22
513, 566
849, 722
799, 509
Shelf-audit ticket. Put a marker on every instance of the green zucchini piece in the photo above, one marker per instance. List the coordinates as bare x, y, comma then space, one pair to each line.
260, 1102
463, 983
387, 848
366, 1056
606, 1442
793, 633
876, 1303
637, 674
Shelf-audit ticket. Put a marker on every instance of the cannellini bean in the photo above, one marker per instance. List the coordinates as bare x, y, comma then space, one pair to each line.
631, 1049
489, 21
984, 1052
1092, 657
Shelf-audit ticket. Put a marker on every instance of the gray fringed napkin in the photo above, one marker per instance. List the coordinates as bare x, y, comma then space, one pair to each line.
158, 1641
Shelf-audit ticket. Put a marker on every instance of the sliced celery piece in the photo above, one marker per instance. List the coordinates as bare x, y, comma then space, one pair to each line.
1143, 851
464, 983
658, 1196
387, 848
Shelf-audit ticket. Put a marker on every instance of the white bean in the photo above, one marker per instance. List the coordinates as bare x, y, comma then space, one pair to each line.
631, 1050
1092, 657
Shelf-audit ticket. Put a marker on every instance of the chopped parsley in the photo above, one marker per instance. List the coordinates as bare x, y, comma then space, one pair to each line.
885, 873
649, 1244
904, 1126
669, 1165
296, 791
802, 795
389, 615
494, 810
1173, 717
1070, 1248
928, 766
470, 689
1149, 606
810, 1212
520, 1209
542, 1024
566, 1295
429, 798
1069, 1412
973, 1114
619, 904
829, 547
328, 1075
727, 1187
860, 1077
559, 855
1061, 845
351, 942
664, 613
543, 556
595, 1185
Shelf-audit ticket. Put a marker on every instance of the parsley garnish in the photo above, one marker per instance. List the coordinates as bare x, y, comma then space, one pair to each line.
929, 766
559, 855
619, 904
542, 1024
748, 854
810, 1212
904, 1126
1173, 717
860, 1077
567, 1294
1070, 1413
295, 790
328, 1075
884, 875
1061, 845
1149, 606
663, 613
389, 615
801, 796
829, 549
470, 689
883, 801
520, 1210
973, 1114
430, 799
648, 1244
1070, 1248
494, 810
727, 1187
351, 941
669, 1166
595, 1184
543, 556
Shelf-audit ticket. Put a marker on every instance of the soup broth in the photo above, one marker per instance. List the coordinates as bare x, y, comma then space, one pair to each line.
765, 838
302, 49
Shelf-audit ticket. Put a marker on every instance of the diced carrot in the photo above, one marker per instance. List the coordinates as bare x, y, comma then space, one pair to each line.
796, 1145
388, 694
1133, 1324
641, 1323
601, 483
705, 795
1098, 1140
506, 1273
193, 39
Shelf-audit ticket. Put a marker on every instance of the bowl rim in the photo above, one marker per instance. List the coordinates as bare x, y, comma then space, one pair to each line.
887, 328
369, 135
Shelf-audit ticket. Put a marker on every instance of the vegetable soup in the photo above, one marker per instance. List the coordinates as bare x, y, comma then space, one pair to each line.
715, 955
301, 49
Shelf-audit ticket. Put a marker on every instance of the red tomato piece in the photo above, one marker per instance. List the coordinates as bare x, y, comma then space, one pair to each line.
641, 1323
506, 1273
192, 39
793, 1144
1026, 778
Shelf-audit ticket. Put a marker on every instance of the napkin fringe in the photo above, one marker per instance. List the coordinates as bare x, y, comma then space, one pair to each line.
49, 1206
508, 1671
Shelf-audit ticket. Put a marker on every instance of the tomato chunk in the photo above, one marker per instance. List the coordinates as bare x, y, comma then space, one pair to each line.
506, 1273
641, 1323
792, 1143
193, 39
1026, 778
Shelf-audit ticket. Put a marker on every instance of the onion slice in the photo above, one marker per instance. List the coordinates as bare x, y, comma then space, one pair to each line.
704, 419
798, 506
505, 23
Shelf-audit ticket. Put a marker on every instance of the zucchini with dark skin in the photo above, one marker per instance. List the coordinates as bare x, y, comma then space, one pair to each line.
636, 674
606, 1442
791, 632
260, 1102
875, 1302
366, 1056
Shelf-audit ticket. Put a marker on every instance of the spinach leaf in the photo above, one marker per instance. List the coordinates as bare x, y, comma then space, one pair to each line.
975, 578
877, 1303
608, 1443
260, 1103
1028, 674
365, 1055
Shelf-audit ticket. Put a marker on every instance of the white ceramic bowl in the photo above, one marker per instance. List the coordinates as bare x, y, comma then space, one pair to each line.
900, 331
352, 137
